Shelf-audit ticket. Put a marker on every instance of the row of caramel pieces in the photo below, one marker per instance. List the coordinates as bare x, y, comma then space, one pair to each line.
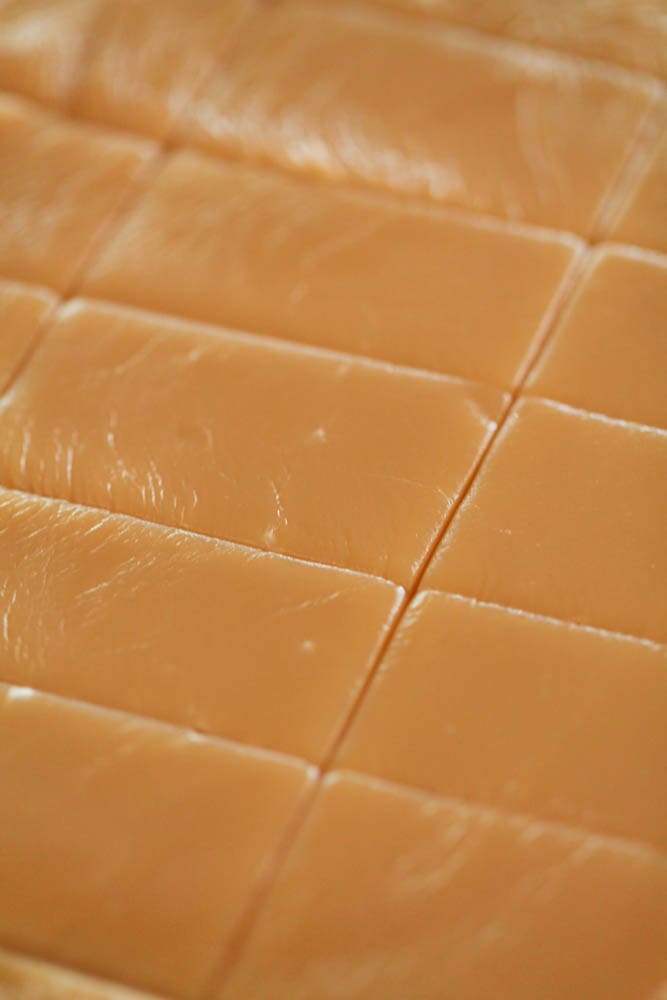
505, 128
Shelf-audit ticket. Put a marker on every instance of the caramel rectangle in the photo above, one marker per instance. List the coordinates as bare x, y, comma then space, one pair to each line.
390, 894
226, 640
609, 353
127, 848
566, 519
314, 455
524, 713
362, 95
268, 253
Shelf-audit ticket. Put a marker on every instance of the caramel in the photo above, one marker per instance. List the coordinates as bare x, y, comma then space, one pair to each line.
420, 108
388, 894
208, 635
313, 455
609, 353
566, 519
260, 251
127, 848
524, 713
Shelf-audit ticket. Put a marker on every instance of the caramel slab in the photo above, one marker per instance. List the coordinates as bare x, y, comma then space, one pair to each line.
22, 309
128, 849
42, 44
246, 645
142, 65
609, 353
314, 455
625, 32
389, 894
264, 252
363, 95
643, 220
566, 519
61, 183
525, 713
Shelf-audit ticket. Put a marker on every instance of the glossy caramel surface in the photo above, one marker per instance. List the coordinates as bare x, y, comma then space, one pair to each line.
333, 492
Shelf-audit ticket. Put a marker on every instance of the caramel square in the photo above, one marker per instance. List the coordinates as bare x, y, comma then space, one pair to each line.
23, 308
566, 519
523, 713
609, 353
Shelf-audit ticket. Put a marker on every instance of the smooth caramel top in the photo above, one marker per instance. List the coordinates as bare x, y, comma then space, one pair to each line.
61, 183
532, 715
261, 251
389, 894
129, 848
212, 636
609, 353
566, 519
314, 455
365, 96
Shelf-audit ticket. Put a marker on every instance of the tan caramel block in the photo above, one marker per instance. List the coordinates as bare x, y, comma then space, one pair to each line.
609, 353
261, 251
22, 309
127, 848
567, 519
145, 62
626, 32
314, 455
23, 978
390, 894
525, 713
60, 183
644, 218
423, 109
246, 645
41, 45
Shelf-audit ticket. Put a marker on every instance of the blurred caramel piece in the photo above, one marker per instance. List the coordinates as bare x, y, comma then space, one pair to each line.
610, 351
127, 848
567, 519
61, 183
264, 252
364, 95
320, 456
22, 309
536, 716
644, 218
145, 61
23, 978
390, 894
42, 44
627, 32
247, 645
